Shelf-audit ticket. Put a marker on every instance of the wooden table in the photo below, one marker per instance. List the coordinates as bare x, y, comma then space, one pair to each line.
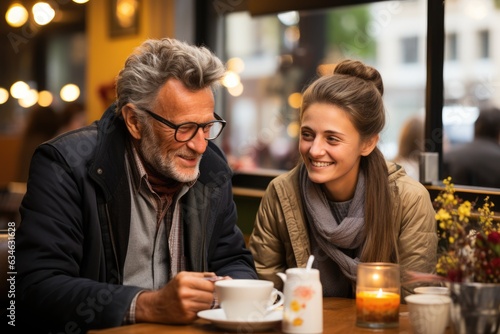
339, 316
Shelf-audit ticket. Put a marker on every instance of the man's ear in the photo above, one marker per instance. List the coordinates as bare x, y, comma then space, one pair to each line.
131, 121
369, 145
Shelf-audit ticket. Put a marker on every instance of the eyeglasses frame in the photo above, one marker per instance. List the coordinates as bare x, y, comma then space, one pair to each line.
175, 127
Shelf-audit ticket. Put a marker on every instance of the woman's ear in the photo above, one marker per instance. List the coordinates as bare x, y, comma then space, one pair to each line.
131, 121
369, 145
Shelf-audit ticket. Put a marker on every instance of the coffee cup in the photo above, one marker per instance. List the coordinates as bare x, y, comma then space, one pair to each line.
432, 290
247, 300
429, 314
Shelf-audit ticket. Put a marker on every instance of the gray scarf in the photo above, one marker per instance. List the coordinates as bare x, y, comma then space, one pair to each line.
328, 233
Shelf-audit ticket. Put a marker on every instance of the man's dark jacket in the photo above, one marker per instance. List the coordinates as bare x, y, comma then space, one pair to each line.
72, 241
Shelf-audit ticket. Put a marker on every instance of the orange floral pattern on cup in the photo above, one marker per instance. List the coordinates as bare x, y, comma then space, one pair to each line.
302, 295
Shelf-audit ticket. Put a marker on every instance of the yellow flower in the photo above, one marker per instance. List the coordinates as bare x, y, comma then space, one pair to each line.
468, 254
464, 211
442, 214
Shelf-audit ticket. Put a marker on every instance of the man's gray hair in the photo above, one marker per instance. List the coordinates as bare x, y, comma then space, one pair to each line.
157, 60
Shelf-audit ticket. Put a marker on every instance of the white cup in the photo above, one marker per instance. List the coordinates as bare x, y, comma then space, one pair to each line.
429, 314
433, 290
247, 300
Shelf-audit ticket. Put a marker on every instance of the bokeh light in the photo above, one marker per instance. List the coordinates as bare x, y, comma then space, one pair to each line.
19, 89
70, 92
295, 100
43, 13
236, 65
45, 98
125, 12
293, 129
4, 95
236, 90
29, 99
231, 79
16, 15
289, 18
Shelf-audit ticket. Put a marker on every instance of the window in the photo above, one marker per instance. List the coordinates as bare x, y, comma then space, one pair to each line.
276, 56
396, 30
469, 80
484, 44
409, 46
451, 50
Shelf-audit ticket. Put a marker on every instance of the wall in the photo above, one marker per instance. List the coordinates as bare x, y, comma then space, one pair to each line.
107, 55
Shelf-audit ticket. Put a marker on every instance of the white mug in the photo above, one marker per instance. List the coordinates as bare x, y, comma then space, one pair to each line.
429, 314
247, 300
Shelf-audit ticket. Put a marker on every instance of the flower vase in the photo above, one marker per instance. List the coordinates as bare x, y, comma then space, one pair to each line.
475, 308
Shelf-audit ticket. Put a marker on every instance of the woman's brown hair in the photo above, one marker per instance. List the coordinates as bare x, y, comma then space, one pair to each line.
357, 89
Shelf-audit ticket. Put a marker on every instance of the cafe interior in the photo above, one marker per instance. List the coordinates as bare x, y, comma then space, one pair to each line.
438, 61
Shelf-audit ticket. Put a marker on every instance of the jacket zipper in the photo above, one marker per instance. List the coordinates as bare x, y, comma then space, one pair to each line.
113, 244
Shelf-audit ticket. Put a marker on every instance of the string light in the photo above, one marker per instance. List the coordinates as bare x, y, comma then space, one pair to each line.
45, 98
43, 13
19, 89
27, 96
70, 92
4, 95
16, 15
29, 99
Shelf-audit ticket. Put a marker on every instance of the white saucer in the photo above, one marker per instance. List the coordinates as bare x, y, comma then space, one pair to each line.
218, 318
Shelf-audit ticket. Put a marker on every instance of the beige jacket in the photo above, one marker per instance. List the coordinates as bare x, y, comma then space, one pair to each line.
280, 238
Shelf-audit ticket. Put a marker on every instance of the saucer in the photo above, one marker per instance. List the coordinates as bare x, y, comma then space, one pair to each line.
218, 318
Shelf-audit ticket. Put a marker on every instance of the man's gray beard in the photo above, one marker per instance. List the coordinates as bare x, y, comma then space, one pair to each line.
150, 148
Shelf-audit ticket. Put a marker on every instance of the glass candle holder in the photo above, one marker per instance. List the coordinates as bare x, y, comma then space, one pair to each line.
378, 295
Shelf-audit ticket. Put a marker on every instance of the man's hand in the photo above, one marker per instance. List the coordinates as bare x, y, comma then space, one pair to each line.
179, 301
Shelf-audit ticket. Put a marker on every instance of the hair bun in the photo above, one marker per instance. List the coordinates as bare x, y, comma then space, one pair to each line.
358, 69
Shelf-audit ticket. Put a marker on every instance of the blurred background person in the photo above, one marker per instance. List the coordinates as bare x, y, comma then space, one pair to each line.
411, 144
477, 163
42, 124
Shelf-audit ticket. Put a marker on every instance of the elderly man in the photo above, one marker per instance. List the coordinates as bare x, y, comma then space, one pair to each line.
125, 219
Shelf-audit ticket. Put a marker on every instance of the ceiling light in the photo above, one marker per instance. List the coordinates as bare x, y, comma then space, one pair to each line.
16, 15
43, 13
4, 95
29, 99
69, 92
45, 98
19, 89
289, 18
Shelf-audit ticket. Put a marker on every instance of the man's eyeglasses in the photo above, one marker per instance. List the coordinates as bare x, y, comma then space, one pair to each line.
186, 131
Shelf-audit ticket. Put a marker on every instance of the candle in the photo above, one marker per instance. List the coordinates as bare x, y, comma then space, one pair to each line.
377, 307
377, 295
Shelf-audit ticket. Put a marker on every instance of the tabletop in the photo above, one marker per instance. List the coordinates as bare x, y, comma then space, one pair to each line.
339, 316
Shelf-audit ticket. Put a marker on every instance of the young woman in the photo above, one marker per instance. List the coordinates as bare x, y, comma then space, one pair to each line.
343, 203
